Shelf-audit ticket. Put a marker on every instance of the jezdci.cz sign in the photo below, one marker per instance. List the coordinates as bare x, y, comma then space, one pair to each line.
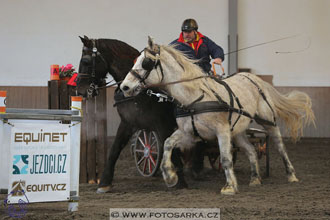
40, 164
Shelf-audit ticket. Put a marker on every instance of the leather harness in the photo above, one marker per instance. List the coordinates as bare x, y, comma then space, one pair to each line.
222, 106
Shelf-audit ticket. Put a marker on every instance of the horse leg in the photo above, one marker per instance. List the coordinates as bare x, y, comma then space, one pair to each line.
167, 167
176, 156
123, 135
242, 141
178, 165
226, 161
276, 138
198, 159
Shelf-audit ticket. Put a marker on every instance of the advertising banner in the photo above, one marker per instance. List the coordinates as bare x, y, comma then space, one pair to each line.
39, 163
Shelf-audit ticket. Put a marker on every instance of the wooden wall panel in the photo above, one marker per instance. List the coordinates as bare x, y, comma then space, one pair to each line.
37, 97
34, 97
320, 105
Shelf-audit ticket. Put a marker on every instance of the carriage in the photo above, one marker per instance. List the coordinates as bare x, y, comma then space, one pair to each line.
147, 150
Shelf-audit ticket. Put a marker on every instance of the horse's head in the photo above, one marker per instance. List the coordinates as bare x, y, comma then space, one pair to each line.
147, 70
93, 68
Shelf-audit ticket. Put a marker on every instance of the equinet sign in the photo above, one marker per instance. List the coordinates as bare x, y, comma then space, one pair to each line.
41, 136
41, 157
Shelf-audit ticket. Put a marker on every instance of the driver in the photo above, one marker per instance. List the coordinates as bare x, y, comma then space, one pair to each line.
197, 46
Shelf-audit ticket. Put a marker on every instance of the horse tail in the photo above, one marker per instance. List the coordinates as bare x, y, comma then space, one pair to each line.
294, 108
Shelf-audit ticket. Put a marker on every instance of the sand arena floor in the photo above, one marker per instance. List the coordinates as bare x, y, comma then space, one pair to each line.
274, 199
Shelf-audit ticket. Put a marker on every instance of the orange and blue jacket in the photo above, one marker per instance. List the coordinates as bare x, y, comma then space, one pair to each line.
201, 49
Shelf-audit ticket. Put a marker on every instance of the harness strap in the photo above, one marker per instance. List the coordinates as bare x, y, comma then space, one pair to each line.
264, 97
197, 100
210, 106
94, 52
232, 96
135, 74
191, 113
195, 129
201, 107
230, 93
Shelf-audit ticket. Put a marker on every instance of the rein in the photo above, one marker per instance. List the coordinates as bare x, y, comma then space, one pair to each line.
175, 82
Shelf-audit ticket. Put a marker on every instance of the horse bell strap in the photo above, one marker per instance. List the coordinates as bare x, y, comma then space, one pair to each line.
263, 96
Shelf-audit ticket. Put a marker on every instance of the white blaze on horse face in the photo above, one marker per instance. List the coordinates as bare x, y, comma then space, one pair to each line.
131, 83
138, 63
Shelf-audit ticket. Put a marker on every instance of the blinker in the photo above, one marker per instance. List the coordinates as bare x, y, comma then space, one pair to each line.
86, 59
148, 64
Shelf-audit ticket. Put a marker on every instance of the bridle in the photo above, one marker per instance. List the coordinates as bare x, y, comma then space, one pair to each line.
148, 64
91, 58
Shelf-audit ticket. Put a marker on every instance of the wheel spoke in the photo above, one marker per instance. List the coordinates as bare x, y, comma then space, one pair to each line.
152, 160
145, 137
140, 161
142, 142
154, 141
150, 168
145, 166
138, 150
154, 148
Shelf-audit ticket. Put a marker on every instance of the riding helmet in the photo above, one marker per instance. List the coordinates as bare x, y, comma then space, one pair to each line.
189, 25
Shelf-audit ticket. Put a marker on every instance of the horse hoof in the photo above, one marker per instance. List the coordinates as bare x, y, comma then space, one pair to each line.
171, 181
255, 182
103, 189
182, 184
228, 190
293, 179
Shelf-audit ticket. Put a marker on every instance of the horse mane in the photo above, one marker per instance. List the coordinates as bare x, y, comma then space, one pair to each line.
119, 48
189, 65
191, 70
119, 55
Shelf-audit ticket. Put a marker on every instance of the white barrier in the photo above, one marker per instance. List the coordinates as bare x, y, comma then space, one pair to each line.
40, 155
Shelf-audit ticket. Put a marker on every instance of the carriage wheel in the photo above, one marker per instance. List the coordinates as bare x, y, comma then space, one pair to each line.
147, 152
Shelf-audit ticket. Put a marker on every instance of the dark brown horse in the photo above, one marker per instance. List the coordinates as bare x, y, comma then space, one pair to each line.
115, 57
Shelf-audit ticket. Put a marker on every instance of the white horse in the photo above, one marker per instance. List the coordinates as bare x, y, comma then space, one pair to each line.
188, 85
